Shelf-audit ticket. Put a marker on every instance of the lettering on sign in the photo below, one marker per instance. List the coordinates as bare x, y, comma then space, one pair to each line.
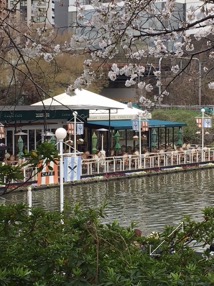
39, 115
66, 114
47, 174
113, 116
13, 116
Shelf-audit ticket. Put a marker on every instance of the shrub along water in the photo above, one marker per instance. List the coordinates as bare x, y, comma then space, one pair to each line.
41, 250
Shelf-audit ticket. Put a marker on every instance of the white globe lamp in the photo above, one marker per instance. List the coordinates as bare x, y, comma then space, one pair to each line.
60, 133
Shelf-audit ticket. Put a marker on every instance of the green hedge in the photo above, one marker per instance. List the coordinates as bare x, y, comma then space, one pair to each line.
74, 248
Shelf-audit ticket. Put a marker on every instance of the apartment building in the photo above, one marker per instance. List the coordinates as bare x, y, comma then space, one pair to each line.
62, 13
28, 11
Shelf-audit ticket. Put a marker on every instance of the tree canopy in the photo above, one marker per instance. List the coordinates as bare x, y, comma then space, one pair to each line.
116, 37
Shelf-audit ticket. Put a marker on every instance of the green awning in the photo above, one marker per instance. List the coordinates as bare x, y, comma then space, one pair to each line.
127, 124
33, 113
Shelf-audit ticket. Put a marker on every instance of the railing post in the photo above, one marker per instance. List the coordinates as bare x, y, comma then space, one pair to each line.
114, 164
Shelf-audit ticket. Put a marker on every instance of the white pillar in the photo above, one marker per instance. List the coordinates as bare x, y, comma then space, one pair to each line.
29, 199
13, 143
29, 7
102, 142
28, 139
34, 146
202, 134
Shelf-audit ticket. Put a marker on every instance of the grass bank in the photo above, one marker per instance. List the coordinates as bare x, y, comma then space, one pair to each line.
188, 117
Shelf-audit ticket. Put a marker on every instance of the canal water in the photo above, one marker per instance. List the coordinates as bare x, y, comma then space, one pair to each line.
152, 202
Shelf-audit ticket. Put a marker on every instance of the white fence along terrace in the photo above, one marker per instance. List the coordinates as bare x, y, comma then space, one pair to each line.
92, 167
131, 163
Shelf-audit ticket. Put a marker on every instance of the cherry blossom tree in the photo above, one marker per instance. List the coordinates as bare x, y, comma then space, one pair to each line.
139, 32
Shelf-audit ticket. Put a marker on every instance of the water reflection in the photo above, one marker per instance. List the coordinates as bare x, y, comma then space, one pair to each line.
152, 202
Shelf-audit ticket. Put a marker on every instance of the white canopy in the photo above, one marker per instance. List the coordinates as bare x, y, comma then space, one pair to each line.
82, 99
119, 114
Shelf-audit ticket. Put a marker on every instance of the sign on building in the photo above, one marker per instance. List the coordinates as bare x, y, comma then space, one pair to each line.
48, 176
144, 125
135, 125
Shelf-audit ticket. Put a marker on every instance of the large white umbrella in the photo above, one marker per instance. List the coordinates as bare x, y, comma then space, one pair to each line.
82, 99
127, 113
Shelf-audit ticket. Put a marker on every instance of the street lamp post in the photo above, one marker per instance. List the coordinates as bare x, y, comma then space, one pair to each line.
140, 147
199, 76
142, 126
199, 81
159, 88
75, 132
202, 134
60, 134
139, 126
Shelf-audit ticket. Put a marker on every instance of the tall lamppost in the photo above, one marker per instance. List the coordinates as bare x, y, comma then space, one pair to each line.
159, 88
202, 134
60, 134
140, 141
75, 132
142, 126
199, 76
201, 124
139, 126
76, 127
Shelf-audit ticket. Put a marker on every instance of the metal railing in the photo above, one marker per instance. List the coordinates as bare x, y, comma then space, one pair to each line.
131, 163
92, 167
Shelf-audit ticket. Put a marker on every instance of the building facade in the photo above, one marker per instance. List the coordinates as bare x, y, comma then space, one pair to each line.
28, 11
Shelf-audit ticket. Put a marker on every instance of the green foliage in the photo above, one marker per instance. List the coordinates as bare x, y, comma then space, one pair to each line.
74, 248
9, 173
185, 116
45, 151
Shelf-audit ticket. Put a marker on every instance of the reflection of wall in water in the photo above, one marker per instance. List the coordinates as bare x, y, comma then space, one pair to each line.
93, 195
47, 199
152, 202
16, 198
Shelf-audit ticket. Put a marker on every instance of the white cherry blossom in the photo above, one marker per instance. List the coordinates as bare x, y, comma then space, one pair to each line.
149, 87
124, 36
175, 69
141, 85
211, 85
